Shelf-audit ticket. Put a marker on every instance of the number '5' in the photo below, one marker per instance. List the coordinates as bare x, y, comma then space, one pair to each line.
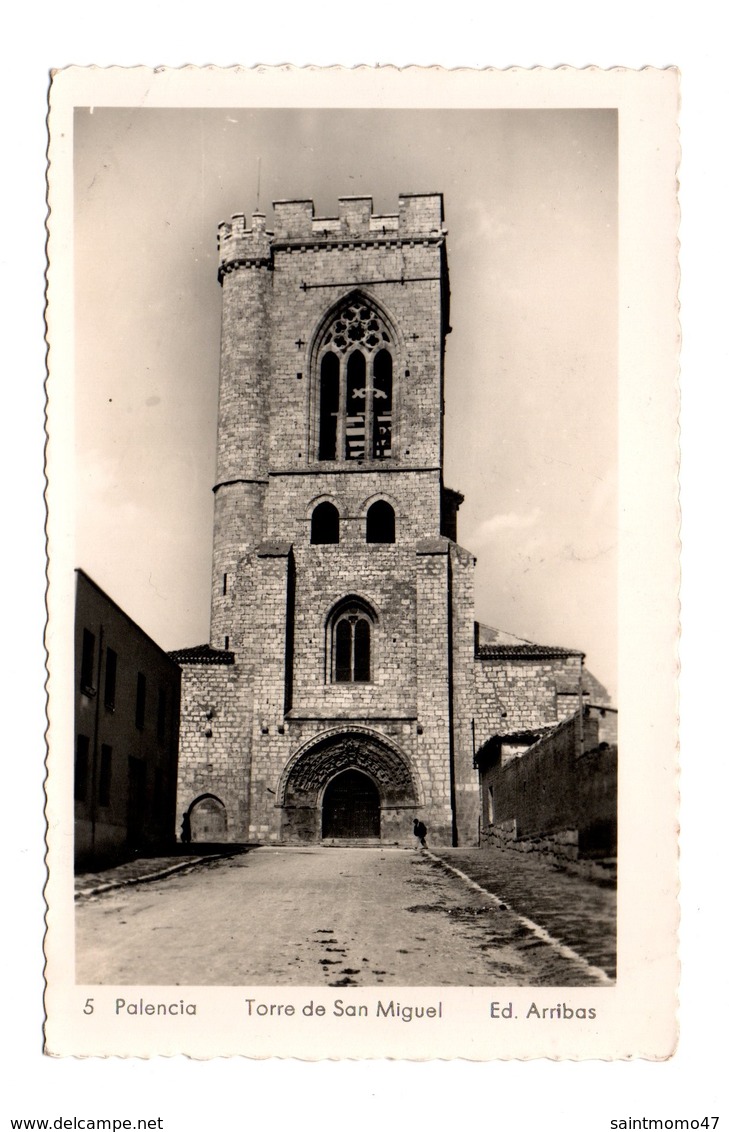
89, 1007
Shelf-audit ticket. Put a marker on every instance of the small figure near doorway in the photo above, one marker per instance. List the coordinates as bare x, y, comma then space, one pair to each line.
186, 832
420, 830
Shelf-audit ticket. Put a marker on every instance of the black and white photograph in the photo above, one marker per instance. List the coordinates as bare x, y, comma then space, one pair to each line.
345, 448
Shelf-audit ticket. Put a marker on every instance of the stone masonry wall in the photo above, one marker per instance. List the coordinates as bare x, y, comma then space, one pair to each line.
243, 422
240, 527
243, 402
413, 307
607, 723
384, 577
464, 691
271, 587
513, 694
414, 496
433, 740
215, 742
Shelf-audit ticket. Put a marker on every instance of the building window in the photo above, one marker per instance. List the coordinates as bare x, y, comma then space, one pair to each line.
81, 769
105, 775
110, 680
380, 522
351, 646
162, 715
141, 699
325, 524
88, 649
355, 386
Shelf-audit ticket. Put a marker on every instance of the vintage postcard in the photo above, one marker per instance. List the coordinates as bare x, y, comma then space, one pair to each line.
362, 511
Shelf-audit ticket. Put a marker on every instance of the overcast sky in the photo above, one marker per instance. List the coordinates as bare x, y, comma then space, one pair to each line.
531, 364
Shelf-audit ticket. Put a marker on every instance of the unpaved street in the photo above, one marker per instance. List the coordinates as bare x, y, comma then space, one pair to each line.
311, 917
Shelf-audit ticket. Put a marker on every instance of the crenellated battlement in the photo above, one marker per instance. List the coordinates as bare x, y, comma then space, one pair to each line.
239, 246
419, 219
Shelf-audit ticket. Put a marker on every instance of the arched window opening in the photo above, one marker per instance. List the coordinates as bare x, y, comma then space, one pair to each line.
352, 647
380, 522
382, 405
325, 524
329, 407
356, 386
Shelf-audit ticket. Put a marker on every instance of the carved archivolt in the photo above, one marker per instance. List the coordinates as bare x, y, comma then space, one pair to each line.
316, 764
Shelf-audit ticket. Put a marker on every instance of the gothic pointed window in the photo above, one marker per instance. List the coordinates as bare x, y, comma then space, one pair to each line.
355, 385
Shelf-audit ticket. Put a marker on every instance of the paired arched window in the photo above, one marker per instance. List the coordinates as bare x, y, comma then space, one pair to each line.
355, 386
351, 645
380, 522
324, 524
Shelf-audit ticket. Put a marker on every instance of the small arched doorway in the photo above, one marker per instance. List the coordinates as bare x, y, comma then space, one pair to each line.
208, 820
351, 807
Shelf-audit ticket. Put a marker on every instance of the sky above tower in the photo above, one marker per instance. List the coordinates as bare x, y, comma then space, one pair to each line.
531, 363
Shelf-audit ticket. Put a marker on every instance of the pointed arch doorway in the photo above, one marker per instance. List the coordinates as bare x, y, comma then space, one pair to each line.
353, 785
350, 807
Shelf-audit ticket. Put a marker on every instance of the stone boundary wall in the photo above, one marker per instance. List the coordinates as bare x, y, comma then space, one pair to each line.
559, 849
555, 796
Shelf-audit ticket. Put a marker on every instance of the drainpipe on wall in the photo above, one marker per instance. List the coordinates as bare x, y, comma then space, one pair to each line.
480, 782
580, 724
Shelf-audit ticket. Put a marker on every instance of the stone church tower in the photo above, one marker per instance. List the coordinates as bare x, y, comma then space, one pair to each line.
333, 701
341, 691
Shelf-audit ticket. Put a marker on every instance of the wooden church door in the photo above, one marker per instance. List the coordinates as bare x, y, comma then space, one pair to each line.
351, 807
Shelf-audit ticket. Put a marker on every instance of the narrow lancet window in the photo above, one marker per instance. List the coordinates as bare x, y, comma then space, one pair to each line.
343, 651
356, 405
361, 651
329, 407
382, 406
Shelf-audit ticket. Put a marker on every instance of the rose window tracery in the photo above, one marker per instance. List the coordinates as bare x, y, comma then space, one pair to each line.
357, 324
